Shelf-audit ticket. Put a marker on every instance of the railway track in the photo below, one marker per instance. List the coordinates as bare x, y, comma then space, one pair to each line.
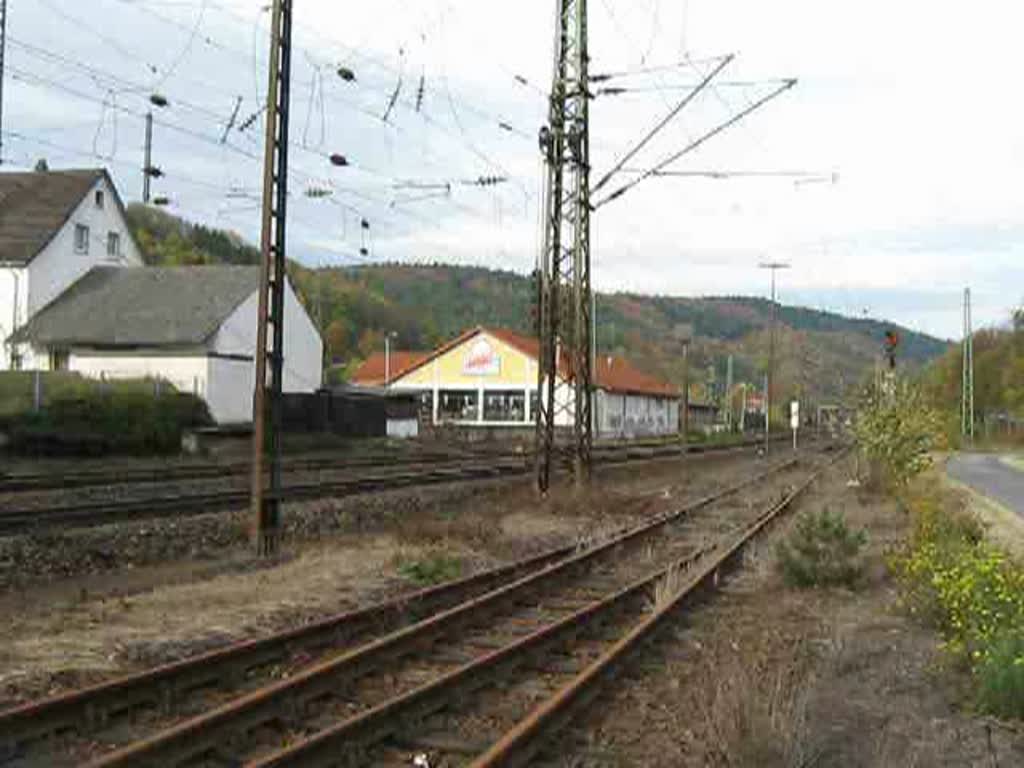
426, 637
33, 518
18, 482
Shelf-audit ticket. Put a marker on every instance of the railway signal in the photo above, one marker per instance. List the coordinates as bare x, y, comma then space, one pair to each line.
892, 341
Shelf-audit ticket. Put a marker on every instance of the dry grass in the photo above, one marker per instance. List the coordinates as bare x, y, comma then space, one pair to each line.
668, 587
102, 634
477, 531
758, 718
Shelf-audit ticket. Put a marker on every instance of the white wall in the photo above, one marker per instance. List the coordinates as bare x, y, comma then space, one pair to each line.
11, 277
229, 390
628, 415
303, 355
187, 372
303, 349
57, 266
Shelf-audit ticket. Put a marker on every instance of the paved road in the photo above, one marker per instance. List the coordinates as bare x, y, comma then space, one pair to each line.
987, 474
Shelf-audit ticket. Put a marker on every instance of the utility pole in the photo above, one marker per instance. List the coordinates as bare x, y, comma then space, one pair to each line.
3, 52
147, 163
728, 393
769, 379
967, 388
270, 321
564, 372
684, 335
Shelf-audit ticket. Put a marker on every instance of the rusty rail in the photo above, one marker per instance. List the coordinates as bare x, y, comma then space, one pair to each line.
526, 739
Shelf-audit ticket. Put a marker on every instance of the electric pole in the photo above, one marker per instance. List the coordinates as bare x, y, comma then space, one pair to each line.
728, 393
270, 320
3, 52
564, 372
147, 163
967, 388
769, 379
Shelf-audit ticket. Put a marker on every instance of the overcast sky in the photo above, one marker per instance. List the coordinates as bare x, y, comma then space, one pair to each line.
903, 117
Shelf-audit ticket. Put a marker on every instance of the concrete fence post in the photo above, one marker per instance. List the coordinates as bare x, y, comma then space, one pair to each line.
37, 391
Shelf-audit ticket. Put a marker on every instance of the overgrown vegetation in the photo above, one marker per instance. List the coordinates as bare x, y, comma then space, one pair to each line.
98, 422
822, 551
897, 429
431, 569
971, 591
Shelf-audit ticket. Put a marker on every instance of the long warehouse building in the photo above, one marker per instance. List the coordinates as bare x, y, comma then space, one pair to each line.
487, 377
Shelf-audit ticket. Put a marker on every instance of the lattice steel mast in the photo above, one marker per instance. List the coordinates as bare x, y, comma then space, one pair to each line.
270, 322
967, 388
564, 372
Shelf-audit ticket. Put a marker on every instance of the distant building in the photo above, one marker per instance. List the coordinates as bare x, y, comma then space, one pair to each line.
487, 377
101, 313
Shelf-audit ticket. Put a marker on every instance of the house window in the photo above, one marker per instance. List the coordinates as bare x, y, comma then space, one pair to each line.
504, 405
113, 245
457, 405
99, 198
59, 359
81, 238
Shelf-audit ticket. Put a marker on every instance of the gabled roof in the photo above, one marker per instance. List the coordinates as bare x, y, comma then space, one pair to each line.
371, 372
34, 206
614, 374
142, 307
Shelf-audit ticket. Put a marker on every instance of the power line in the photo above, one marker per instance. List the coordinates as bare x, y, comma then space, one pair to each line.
696, 143
663, 122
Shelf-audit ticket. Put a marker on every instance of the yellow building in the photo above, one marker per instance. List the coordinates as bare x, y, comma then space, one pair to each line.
487, 377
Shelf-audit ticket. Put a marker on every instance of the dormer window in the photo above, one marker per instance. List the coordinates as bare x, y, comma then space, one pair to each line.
99, 198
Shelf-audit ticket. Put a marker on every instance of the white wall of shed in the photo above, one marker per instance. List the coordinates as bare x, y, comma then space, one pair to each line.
186, 372
633, 415
57, 266
229, 390
303, 348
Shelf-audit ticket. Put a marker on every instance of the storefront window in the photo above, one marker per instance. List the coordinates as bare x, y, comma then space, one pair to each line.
457, 405
505, 405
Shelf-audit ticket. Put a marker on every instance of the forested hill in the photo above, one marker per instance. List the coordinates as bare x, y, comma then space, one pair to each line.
818, 352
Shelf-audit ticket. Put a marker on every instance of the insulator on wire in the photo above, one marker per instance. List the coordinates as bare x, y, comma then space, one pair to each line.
158, 100
153, 172
364, 252
346, 74
161, 201
339, 160
363, 223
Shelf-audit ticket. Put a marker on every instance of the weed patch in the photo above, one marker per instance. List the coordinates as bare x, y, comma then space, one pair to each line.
822, 550
972, 591
432, 569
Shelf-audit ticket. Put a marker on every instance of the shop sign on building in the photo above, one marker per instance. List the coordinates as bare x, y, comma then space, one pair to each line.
481, 359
